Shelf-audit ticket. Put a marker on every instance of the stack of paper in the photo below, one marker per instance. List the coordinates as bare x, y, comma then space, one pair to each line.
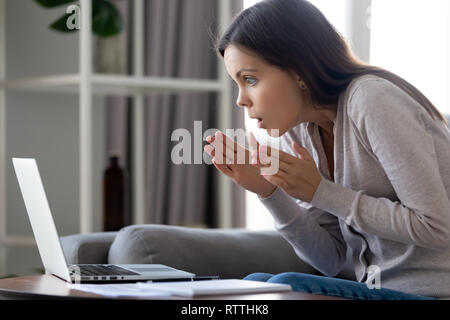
118, 290
214, 287
181, 288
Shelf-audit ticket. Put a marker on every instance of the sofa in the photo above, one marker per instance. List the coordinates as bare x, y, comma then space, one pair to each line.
228, 253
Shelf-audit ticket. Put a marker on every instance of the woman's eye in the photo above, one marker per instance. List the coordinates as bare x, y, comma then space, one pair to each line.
251, 81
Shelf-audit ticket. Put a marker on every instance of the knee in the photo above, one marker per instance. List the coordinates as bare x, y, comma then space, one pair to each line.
259, 276
288, 277
298, 281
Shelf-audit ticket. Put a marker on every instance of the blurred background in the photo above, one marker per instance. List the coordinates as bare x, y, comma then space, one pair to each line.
97, 109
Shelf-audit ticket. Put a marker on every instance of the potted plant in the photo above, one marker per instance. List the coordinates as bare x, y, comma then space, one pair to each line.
106, 19
107, 25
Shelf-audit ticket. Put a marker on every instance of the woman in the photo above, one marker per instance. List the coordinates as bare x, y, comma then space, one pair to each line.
364, 163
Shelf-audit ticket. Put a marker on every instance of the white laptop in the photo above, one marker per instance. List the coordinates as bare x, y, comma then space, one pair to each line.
50, 249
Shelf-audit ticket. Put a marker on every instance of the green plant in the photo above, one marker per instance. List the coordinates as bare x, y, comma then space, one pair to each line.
106, 19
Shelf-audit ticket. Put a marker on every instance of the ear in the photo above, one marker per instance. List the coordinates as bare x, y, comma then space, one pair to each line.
295, 76
302, 85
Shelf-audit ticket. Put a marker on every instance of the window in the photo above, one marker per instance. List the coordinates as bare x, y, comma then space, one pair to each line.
412, 39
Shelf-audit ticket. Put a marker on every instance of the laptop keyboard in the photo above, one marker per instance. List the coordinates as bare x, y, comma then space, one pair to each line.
104, 270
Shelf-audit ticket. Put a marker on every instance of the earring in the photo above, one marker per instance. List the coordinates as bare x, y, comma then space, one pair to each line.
303, 86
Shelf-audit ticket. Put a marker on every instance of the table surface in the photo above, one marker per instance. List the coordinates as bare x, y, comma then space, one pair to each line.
51, 287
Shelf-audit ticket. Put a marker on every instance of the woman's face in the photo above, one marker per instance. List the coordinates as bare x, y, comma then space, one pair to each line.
272, 96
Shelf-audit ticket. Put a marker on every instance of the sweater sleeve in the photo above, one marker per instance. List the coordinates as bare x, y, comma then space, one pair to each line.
314, 234
393, 127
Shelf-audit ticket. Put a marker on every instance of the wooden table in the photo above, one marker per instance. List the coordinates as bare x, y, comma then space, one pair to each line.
51, 287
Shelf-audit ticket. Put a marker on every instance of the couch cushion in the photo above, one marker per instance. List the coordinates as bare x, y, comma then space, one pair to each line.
229, 253
87, 248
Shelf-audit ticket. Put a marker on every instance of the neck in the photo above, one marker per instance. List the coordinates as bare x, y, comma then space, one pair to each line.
328, 115
327, 128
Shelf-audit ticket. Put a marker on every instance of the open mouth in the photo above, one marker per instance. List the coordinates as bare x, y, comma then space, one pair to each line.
260, 123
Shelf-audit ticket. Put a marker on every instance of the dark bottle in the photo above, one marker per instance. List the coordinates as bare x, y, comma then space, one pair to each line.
115, 214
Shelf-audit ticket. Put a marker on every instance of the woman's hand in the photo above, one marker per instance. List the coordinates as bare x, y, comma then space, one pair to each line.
298, 177
239, 169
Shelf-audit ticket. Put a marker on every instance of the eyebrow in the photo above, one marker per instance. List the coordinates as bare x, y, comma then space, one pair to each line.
238, 74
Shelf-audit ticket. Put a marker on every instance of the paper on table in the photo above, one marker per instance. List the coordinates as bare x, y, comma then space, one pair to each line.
118, 290
213, 287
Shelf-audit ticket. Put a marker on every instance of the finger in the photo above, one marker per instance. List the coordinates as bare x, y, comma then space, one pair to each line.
280, 179
226, 141
256, 159
232, 149
223, 158
220, 158
253, 146
266, 154
274, 163
223, 168
252, 142
209, 150
274, 168
279, 173
275, 180
302, 152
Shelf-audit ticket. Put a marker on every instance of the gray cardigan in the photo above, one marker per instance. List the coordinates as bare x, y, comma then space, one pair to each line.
389, 202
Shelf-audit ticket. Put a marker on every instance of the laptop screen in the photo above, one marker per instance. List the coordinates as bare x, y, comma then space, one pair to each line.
40, 216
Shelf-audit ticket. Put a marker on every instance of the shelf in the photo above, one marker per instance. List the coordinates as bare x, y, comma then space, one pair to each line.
60, 83
84, 83
112, 84
17, 240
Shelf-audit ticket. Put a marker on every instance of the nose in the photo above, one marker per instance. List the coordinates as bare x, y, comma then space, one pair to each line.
242, 101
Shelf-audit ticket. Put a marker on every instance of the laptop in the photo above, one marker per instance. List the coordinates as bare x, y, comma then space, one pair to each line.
50, 249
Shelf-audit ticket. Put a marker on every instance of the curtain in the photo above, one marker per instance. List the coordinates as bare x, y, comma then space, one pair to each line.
177, 45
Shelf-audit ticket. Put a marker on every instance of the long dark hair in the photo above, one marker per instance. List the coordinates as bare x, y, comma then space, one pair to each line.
295, 35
